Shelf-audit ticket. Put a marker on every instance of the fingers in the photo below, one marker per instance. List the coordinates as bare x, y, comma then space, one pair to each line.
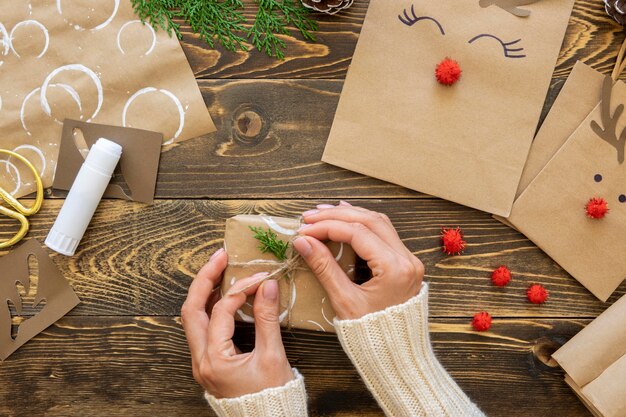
364, 242
222, 325
266, 318
326, 269
193, 312
376, 222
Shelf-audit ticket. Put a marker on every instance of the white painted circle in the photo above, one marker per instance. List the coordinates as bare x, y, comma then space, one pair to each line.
26, 23
6, 40
119, 34
66, 87
179, 106
37, 151
18, 182
101, 25
72, 67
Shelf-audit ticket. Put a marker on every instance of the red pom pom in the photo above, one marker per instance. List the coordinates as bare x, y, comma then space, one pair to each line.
481, 321
597, 208
453, 243
537, 294
501, 276
448, 72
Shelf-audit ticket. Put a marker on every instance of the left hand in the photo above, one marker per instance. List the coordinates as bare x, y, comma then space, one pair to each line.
218, 365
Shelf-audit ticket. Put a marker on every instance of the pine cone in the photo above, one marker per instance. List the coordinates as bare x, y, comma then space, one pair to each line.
329, 6
617, 10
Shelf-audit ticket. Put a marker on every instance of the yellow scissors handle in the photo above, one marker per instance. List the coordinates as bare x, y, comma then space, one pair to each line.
21, 212
23, 228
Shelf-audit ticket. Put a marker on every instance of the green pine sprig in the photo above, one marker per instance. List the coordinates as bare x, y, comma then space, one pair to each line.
269, 242
222, 21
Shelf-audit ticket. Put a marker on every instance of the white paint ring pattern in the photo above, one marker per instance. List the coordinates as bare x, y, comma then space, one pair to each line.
119, 34
278, 228
18, 182
37, 151
35, 23
71, 67
6, 40
66, 87
179, 106
102, 25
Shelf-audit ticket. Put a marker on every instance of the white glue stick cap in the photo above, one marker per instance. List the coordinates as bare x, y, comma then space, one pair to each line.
84, 197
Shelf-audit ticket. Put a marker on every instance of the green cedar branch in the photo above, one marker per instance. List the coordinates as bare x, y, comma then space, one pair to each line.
223, 21
269, 242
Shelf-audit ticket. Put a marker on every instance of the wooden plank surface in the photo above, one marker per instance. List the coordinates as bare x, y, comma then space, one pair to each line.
122, 350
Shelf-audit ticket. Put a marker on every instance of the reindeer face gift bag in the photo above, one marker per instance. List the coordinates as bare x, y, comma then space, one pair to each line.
405, 115
575, 208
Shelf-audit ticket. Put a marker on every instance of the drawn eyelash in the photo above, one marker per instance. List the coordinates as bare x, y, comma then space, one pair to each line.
413, 19
509, 52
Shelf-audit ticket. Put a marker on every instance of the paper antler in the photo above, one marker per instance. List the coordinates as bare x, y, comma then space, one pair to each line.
609, 133
509, 5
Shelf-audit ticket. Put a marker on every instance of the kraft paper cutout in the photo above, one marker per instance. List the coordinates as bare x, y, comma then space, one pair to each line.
141, 151
468, 142
550, 211
52, 288
510, 6
595, 362
89, 61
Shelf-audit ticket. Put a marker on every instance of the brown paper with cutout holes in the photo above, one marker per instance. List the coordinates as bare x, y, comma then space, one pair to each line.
467, 142
595, 362
139, 164
305, 302
551, 210
52, 289
70, 49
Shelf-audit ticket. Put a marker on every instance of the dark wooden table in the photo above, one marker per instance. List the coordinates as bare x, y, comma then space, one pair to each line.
122, 351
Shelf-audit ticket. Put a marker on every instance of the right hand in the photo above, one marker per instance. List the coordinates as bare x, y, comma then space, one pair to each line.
396, 273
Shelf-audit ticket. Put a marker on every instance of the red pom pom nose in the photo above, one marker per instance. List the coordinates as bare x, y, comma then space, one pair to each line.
448, 72
597, 208
481, 321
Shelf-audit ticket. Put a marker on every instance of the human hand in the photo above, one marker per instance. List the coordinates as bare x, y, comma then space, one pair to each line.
209, 323
396, 273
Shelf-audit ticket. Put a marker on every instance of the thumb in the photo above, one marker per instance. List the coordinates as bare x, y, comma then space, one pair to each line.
266, 321
327, 270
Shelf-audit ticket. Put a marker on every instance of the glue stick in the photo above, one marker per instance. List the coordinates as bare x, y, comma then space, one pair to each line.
84, 197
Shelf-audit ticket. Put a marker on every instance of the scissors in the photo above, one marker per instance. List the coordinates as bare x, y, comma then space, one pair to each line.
20, 212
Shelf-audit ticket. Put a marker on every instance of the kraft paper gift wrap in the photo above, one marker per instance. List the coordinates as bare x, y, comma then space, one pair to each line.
550, 211
595, 362
304, 304
90, 61
467, 142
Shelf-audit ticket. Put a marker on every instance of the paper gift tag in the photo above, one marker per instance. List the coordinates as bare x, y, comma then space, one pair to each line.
139, 164
467, 142
551, 210
94, 62
53, 291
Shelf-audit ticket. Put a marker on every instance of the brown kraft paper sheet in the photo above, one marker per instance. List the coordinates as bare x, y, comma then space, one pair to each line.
551, 210
89, 61
468, 142
306, 302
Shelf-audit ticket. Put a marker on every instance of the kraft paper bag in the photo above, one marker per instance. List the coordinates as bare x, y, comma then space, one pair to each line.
304, 303
467, 142
93, 62
551, 210
595, 362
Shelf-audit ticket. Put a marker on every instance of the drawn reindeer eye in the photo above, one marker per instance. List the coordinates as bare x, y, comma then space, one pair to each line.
410, 19
509, 50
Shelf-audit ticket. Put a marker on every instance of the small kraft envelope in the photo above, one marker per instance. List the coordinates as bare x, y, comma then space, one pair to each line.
467, 142
304, 303
550, 211
595, 362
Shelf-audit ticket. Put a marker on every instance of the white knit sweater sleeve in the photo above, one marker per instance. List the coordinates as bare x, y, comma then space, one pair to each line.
288, 400
391, 350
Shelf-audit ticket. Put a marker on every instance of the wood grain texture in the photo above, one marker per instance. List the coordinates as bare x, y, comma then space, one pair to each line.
140, 260
591, 37
140, 366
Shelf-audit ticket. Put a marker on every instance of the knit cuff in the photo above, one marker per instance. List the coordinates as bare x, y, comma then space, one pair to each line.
288, 400
391, 350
